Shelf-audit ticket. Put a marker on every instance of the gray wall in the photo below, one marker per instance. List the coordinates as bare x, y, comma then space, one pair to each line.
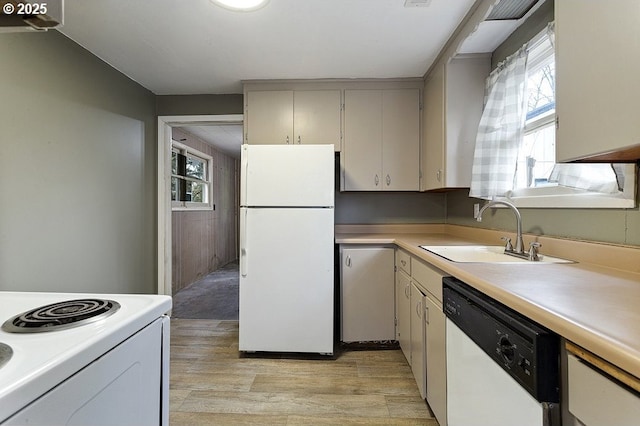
620, 226
77, 171
199, 104
389, 207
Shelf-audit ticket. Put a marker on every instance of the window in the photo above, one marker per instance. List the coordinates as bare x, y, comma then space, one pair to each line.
191, 185
537, 157
539, 181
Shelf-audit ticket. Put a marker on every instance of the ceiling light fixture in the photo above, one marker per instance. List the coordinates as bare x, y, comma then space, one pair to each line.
241, 5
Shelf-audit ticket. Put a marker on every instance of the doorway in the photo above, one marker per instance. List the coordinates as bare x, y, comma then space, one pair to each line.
166, 127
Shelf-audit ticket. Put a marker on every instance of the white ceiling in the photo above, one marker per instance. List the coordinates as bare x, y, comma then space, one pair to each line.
195, 47
226, 138
175, 47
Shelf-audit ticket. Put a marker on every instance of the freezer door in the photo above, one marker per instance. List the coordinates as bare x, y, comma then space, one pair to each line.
287, 175
286, 280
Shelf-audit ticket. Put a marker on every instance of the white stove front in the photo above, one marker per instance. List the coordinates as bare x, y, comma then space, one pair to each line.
90, 368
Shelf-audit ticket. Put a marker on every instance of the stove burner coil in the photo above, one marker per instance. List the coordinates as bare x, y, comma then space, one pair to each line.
5, 354
61, 315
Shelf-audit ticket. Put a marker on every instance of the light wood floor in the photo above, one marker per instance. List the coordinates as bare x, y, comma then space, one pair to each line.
211, 383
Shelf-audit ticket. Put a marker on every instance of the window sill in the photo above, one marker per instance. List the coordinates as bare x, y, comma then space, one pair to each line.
183, 208
570, 198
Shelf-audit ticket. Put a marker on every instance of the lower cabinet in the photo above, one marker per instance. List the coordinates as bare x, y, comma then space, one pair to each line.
436, 358
374, 309
367, 294
419, 304
418, 364
597, 398
403, 312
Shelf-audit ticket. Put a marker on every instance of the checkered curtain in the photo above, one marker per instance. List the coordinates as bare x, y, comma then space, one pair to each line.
501, 128
597, 177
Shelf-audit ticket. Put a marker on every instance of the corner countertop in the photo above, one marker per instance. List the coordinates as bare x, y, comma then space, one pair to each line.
594, 305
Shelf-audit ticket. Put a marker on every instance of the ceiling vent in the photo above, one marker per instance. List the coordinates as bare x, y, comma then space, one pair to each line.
510, 10
30, 15
417, 3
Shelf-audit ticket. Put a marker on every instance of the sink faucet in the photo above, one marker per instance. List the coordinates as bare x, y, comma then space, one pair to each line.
519, 249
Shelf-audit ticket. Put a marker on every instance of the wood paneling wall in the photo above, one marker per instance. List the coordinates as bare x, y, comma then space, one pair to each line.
203, 241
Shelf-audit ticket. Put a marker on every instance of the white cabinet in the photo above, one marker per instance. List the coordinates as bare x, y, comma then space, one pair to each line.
453, 102
436, 358
597, 84
434, 371
367, 294
293, 117
381, 140
596, 399
403, 302
418, 362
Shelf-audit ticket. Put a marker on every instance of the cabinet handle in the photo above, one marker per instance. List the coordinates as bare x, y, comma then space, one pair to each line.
439, 175
376, 180
287, 140
404, 262
406, 291
299, 140
426, 314
348, 261
388, 180
419, 309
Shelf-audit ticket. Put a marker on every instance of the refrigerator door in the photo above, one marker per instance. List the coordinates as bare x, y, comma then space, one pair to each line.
287, 175
286, 280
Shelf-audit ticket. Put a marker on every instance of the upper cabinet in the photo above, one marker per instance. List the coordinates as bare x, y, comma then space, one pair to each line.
381, 140
453, 101
597, 84
293, 117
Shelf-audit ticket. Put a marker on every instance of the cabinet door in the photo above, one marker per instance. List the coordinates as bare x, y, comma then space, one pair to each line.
418, 365
368, 310
269, 116
453, 99
362, 150
436, 358
316, 117
401, 140
597, 84
403, 313
433, 152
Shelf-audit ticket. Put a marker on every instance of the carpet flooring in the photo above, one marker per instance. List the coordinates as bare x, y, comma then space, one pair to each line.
213, 297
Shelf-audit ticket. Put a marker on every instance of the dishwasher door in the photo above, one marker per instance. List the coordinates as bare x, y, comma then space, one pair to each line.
481, 393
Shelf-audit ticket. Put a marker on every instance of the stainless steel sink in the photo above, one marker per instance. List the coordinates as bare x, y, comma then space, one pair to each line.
485, 254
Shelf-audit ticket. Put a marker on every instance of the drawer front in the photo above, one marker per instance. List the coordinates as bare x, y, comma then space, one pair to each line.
403, 261
597, 400
428, 277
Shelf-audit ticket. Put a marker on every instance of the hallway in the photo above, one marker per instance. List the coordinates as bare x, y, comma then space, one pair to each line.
213, 297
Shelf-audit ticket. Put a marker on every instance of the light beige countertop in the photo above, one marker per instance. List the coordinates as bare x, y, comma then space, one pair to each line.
594, 303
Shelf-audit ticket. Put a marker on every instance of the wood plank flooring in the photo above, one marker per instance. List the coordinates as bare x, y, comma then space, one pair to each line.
212, 383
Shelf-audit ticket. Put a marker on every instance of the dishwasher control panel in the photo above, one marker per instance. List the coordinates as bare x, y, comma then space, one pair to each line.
524, 349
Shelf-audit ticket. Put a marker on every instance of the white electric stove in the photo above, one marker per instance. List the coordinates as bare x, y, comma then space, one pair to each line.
110, 367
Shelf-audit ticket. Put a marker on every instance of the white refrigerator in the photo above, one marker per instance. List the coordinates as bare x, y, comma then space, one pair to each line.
286, 248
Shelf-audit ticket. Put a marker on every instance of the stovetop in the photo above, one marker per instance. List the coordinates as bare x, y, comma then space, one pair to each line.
40, 361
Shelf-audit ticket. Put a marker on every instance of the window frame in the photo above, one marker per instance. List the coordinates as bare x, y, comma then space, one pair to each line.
556, 196
208, 160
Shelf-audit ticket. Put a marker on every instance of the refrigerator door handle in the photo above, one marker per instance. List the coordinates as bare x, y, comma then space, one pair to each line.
243, 246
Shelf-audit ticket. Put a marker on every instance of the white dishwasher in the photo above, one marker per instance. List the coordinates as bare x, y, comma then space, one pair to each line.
502, 368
